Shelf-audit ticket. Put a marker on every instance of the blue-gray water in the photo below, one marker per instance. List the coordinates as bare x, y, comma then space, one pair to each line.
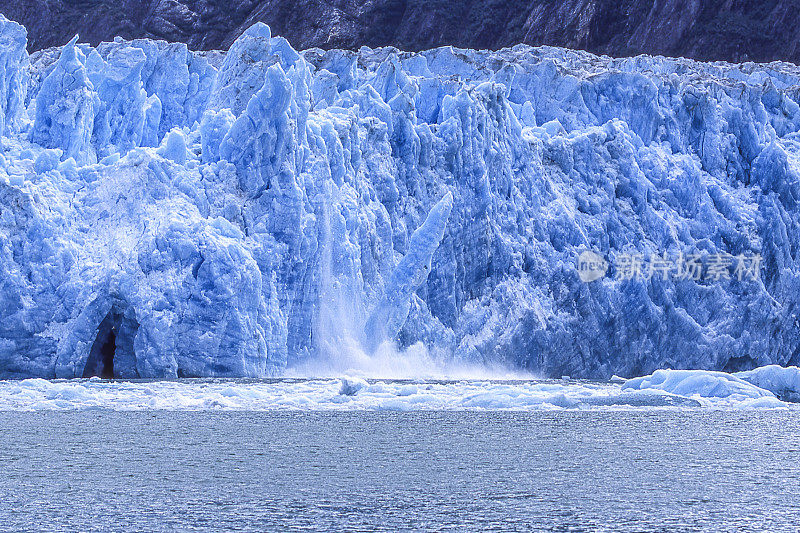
650, 470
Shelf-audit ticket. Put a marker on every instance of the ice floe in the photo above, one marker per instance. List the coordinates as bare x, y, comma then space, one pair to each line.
666, 389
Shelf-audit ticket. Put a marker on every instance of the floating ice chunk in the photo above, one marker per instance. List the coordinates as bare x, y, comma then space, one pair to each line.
349, 393
784, 382
703, 383
766, 402
351, 386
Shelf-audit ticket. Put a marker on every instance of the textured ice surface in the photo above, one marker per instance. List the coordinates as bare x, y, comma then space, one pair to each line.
165, 213
706, 384
673, 389
760, 387
783, 382
344, 394
14, 64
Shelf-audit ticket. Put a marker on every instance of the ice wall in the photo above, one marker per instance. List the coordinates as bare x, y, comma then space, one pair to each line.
14, 64
172, 213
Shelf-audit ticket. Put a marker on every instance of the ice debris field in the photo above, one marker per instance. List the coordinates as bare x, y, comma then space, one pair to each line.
665, 389
173, 214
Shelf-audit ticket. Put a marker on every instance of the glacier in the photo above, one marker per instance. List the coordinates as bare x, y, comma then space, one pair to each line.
169, 213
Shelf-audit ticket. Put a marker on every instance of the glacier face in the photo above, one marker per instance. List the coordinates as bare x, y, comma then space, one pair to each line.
167, 213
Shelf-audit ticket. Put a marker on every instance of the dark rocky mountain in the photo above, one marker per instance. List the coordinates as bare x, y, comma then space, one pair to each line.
733, 30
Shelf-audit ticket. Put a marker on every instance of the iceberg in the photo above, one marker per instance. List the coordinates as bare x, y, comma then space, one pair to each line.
754, 389
351, 386
782, 382
171, 213
704, 383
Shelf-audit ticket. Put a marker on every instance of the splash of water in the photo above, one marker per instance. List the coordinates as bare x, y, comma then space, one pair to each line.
342, 346
391, 362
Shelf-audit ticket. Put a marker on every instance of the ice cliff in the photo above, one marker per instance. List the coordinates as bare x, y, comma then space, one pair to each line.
172, 213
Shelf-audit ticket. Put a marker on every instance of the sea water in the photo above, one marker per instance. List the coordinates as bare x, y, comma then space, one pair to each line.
599, 468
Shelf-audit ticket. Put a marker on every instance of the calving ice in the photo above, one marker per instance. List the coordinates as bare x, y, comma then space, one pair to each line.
169, 213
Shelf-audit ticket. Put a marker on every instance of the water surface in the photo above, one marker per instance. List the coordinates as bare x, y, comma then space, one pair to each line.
627, 470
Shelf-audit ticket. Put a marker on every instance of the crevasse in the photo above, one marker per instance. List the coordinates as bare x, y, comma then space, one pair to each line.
168, 213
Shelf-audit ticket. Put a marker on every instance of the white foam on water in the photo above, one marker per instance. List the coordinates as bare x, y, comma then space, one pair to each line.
346, 357
353, 393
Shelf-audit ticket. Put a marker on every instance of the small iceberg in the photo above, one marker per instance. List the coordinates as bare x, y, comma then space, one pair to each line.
783, 382
712, 389
351, 386
703, 383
